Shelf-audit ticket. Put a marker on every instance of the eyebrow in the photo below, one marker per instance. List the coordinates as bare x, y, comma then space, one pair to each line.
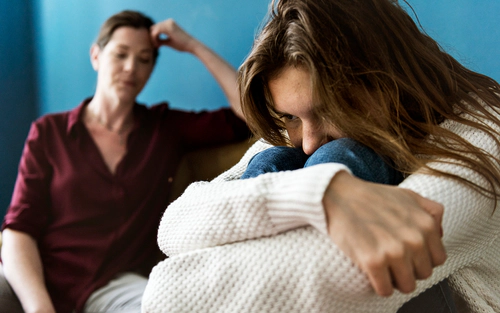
123, 46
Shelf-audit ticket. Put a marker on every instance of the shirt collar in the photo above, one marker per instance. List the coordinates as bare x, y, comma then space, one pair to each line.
75, 115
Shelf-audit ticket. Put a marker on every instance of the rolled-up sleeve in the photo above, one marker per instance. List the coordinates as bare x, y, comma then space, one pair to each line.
28, 210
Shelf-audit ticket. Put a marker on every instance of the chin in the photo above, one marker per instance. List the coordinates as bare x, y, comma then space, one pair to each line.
127, 96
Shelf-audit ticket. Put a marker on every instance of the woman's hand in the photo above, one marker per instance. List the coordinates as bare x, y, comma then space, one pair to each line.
391, 233
168, 33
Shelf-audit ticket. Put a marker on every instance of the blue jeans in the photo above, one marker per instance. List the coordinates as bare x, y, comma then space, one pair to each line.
365, 164
361, 160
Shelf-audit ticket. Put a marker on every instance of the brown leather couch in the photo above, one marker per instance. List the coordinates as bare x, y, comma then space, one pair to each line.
205, 164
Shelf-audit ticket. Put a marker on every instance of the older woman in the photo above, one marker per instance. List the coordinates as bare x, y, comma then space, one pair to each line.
361, 69
80, 231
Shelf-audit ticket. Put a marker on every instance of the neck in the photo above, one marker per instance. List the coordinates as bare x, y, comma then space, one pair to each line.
115, 117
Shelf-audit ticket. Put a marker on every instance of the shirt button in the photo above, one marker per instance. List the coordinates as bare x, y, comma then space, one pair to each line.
170, 179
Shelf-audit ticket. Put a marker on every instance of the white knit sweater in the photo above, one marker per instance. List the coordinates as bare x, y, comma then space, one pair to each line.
248, 245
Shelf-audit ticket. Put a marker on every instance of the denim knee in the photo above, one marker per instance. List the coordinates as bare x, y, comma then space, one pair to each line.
275, 159
361, 160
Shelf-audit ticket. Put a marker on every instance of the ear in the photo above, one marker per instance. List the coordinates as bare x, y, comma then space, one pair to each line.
94, 56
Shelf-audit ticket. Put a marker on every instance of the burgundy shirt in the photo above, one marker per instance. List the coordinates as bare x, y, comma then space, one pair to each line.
91, 224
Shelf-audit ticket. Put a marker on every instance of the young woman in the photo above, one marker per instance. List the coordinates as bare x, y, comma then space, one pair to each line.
80, 232
361, 69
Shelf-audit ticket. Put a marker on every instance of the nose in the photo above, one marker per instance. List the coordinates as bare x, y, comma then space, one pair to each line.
130, 64
312, 138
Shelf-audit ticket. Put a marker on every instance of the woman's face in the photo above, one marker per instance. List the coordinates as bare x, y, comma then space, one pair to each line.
124, 64
293, 102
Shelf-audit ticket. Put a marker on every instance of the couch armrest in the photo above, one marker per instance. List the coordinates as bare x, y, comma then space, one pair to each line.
206, 164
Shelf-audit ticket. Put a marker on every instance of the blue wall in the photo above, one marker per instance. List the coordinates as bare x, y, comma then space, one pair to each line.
66, 29
48, 69
17, 89
468, 29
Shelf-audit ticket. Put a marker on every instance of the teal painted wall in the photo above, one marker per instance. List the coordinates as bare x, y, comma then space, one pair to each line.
468, 29
66, 29
17, 89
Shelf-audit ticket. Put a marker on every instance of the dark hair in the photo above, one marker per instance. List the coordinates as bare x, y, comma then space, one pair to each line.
377, 78
125, 18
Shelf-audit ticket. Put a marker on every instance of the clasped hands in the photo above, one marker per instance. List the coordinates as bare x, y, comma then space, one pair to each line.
392, 234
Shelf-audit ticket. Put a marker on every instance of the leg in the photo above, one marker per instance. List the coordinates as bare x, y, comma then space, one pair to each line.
361, 160
275, 159
437, 299
294, 272
8, 299
121, 295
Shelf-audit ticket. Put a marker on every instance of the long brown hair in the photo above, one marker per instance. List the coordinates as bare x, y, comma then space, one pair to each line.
378, 78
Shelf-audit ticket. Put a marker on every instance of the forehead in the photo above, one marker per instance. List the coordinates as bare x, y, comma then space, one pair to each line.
291, 90
131, 38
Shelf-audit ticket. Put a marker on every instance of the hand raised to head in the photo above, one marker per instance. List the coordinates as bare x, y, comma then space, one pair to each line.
391, 233
168, 33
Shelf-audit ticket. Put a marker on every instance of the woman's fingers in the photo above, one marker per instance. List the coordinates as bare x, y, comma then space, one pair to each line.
422, 264
432, 229
403, 276
381, 280
436, 210
168, 33
392, 234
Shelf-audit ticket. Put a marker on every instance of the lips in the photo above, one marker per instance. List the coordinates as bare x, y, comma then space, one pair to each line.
129, 83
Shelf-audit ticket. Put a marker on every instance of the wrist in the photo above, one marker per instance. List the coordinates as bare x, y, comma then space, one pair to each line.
195, 46
340, 184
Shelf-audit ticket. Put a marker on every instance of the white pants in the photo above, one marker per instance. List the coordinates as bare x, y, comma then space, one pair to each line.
121, 295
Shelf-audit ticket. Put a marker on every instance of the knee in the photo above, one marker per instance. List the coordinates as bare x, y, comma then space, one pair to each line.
275, 159
342, 150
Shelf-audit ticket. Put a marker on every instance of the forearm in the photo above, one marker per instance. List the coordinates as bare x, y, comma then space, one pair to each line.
23, 270
223, 72
211, 214
297, 271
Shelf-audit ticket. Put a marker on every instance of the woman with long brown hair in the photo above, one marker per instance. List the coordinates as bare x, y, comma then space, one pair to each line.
362, 69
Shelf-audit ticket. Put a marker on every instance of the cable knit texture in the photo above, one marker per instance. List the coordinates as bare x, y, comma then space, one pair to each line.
248, 246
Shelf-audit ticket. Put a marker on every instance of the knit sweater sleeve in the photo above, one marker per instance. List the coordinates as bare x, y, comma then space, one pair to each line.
229, 210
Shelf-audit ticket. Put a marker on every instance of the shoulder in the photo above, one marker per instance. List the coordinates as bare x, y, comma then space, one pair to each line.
53, 122
163, 111
52, 118
159, 110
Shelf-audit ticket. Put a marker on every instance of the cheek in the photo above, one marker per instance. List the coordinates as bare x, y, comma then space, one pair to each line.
295, 135
106, 74
145, 73
334, 133
110, 71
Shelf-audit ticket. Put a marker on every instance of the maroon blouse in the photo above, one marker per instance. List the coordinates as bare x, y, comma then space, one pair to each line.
91, 224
